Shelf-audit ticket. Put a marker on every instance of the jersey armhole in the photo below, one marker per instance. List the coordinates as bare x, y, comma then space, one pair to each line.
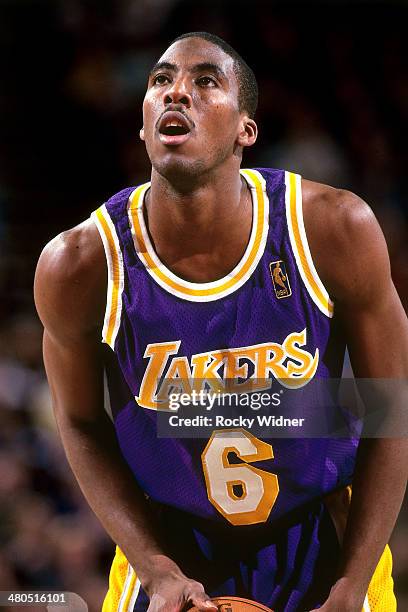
300, 245
114, 261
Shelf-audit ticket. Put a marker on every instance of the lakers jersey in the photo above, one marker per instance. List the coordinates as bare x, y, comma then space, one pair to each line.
269, 319
271, 313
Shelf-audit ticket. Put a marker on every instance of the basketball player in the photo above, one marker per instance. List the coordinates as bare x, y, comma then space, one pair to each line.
177, 276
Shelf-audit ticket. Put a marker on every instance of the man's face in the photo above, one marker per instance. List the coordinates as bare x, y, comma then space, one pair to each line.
191, 119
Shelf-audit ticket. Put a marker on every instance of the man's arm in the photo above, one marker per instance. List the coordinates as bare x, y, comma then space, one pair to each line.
352, 259
70, 294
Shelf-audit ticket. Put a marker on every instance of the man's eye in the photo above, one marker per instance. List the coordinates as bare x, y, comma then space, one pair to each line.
206, 81
160, 79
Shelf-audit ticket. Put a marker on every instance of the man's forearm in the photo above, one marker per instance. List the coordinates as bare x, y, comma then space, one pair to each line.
378, 491
111, 490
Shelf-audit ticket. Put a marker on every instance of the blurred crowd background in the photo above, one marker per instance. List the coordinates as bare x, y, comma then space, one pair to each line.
333, 105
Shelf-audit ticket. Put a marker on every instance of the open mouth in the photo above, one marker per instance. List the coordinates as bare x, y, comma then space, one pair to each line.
174, 129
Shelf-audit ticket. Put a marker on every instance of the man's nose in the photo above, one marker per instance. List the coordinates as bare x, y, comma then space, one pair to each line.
178, 93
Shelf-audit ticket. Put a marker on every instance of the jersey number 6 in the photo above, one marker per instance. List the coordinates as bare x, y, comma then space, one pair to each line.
243, 494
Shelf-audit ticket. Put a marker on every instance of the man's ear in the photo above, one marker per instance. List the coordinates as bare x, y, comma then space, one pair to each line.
141, 134
248, 132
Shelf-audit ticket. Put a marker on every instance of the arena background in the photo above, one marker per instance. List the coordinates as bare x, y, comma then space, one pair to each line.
333, 106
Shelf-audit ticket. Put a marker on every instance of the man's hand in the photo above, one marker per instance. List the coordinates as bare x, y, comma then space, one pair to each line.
343, 597
170, 590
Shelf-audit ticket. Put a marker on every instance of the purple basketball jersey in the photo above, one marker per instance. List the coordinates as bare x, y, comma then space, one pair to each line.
269, 319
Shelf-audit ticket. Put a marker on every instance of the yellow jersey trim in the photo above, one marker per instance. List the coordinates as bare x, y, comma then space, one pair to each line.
204, 292
300, 246
114, 260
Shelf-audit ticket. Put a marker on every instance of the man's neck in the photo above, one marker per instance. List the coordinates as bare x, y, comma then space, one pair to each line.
200, 235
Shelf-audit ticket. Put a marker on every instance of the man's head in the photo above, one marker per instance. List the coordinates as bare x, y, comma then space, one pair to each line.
199, 106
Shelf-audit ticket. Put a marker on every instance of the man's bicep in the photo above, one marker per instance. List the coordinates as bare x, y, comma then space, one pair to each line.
377, 335
75, 375
374, 319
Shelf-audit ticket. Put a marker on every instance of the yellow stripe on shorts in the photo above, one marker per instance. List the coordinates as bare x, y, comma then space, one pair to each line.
124, 585
380, 594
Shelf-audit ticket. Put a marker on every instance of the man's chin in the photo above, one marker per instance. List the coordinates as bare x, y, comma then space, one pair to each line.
179, 170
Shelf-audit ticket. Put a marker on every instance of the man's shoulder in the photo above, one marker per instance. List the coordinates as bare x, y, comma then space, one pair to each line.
337, 218
73, 253
336, 205
70, 281
343, 234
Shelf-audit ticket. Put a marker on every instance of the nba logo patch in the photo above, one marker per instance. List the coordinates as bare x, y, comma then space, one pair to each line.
280, 279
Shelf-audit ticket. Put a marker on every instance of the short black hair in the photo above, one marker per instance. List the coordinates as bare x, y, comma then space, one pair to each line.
247, 85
